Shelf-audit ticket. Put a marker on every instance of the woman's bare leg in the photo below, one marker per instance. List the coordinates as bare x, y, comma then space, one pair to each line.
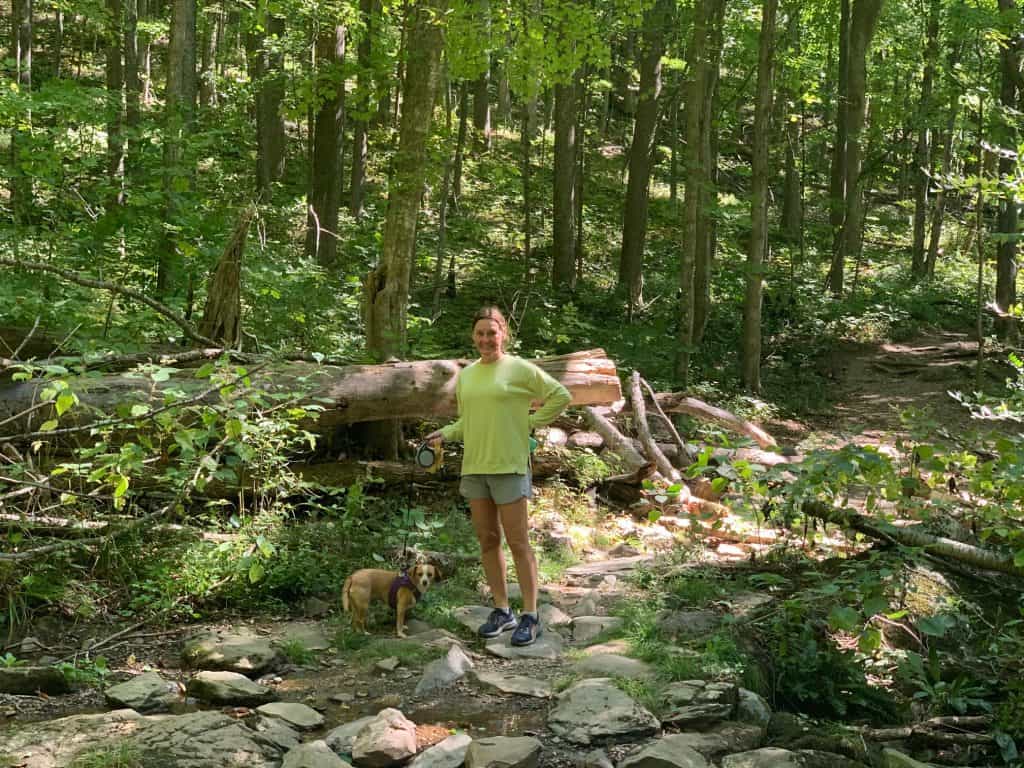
485, 522
517, 533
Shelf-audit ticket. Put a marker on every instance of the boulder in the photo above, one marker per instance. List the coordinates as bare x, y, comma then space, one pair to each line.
228, 688
547, 646
766, 757
612, 665
28, 681
238, 650
752, 708
313, 754
504, 752
595, 709
698, 704
309, 634
147, 692
297, 715
553, 616
722, 739
388, 739
666, 752
450, 753
444, 671
472, 616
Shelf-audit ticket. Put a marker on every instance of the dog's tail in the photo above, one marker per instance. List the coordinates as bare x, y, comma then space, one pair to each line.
344, 593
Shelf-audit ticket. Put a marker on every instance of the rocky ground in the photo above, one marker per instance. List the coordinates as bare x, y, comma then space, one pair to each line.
235, 693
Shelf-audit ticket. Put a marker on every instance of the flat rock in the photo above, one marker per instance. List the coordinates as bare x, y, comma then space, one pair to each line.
766, 757
309, 634
228, 688
687, 624
340, 739
514, 684
586, 606
667, 752
612, 665
388, 739
437, 638
297, 715
444, 671
472, 616
622, 549
617, 565
547, 646
390, 664
586, 628
595, 758
314, 754
618, 647
236, 650
147, 692
416, 626
698, 704
553, 616
450, 753
595, 709
504, 752
27, 681
722, 739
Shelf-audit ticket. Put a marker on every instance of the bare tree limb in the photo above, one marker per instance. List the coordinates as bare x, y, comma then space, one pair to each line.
644, 431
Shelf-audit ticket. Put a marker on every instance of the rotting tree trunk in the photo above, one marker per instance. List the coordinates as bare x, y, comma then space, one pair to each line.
325, 192
386, 290
222, 316
923, 153
751, 345
563, 216
347, 394
634, 223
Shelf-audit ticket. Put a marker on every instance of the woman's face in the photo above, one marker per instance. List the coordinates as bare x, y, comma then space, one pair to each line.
489, 339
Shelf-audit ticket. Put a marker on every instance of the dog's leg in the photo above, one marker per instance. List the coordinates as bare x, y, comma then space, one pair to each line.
401, 608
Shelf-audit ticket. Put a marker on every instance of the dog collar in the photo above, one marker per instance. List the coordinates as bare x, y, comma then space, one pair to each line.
401, 580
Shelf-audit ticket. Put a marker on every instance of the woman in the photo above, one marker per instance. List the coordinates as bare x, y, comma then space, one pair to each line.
494, 396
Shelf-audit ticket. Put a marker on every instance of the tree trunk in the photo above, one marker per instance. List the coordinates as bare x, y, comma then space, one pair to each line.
361, 114
482, 111
325, 195
442, 212
862, 28
657, 20
178, 112
1007, 137
347, 394
939, 204
504, 97
923, 152
792, 190
460, 142
222, 315
837, 174
524, 147
580, 175
132, 83
207, 73
386, 293
751, 367
22, 197
115, 106
270, 134
563, 273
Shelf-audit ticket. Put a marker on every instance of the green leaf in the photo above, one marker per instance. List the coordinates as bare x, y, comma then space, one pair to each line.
256, 572
869, 640
875, 605
48, 426
233, 427
64, 402
139, 410
843, 617
121, 488
265, 547
935, 626
205, 371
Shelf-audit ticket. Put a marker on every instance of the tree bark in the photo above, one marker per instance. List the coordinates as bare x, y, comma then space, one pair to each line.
325, 195
792, 191
132, 83
115, 106
563, 273
270, 133
657, 20
386, 290
751, 362
923, 152
361, 114
22, 196
460, 141
207, 73
178, 113
837, 173
1007, 136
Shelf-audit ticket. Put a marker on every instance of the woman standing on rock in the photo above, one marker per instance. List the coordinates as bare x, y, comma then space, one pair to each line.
494, 396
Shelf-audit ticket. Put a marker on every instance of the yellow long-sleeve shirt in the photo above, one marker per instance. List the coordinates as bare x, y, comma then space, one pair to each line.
494, 413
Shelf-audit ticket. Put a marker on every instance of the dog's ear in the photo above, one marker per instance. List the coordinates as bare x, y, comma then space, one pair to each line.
438, 573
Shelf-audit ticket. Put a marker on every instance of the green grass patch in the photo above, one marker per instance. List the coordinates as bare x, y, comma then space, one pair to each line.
296, 652
121, 754
409, 652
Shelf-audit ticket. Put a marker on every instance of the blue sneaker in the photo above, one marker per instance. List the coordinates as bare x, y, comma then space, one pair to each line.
499, 621
527, 631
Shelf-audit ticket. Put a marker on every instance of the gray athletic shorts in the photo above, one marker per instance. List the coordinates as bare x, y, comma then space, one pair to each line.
504, 489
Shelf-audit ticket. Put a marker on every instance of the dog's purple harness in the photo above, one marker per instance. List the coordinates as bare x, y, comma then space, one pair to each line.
402, 580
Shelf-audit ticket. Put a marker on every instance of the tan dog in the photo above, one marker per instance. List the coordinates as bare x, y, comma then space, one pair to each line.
400, 590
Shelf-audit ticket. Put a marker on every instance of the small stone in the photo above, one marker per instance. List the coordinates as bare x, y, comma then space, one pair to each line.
388, 739
228, 688
444, 671
390, 664
665, 753
296, 715
585, 628
315, 754
342, 698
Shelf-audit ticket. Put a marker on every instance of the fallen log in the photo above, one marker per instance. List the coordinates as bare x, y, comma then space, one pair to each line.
908, 536
346, 394
644, 431
673, 402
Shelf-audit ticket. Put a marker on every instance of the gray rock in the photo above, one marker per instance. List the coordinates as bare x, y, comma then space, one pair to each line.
666, 752
436, 638
310, 635
26, 681
618, 647
586, 628
893, 758
314, 754
553, 616
471, 616
390, 664
547, 646
342, 698
687, 624
816, 758
698, 704
386, 740
416, 627
235, 651
450, 753
722, 739
766, 757
341, 738
596, 709
504, 752
585, 607
602, 567
595, 758
195, 740
514, 684
298, 716
612, 665
444, 671
622, 549
147, 692
753, 708
314, 606
228, 688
